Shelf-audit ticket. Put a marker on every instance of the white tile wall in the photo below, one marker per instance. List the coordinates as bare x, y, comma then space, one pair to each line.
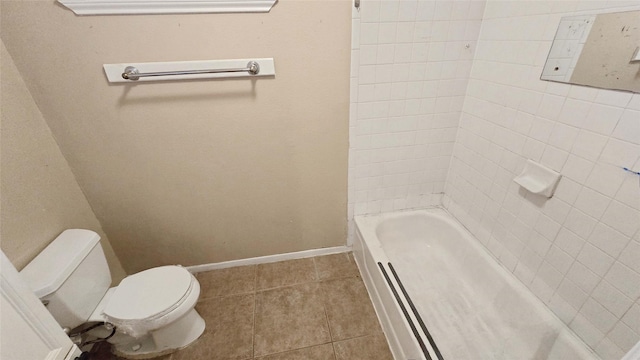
410, 68
579, 251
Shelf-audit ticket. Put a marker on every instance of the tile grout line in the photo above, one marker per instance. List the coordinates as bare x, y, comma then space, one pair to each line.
326, 318
298, 349
286, 286
324, 305
255, 305
333, 346
290, 284
315, 268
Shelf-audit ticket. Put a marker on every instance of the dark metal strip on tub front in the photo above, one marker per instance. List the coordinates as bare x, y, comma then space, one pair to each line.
405, 312
415, 313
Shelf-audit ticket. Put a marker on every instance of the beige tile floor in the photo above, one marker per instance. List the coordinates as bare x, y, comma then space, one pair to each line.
306, 309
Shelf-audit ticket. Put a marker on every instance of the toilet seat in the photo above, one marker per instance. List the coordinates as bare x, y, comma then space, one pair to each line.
149, 299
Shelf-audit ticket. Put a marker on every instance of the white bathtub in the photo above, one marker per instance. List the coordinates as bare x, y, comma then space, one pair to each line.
472, 307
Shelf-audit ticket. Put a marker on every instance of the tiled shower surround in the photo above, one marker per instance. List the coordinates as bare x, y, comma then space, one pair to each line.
410, 67
579, 251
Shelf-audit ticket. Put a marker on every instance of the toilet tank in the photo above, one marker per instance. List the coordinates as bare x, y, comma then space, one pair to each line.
70, 276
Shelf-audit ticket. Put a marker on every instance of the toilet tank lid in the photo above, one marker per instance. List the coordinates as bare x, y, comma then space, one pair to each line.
49, 270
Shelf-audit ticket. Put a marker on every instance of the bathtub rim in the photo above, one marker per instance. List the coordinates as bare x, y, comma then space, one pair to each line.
366, 225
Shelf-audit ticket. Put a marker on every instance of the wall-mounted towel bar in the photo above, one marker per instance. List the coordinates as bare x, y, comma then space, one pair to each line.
132, 73
189, 70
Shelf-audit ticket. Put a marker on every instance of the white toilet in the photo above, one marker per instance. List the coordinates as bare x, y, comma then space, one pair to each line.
153, 311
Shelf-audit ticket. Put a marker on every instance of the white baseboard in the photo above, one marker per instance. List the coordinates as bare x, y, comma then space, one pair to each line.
269, 259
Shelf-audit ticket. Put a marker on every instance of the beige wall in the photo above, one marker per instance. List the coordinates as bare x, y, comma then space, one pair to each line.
201, 171
39, 195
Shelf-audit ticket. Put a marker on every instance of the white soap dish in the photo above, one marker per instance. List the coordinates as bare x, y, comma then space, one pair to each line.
538, 179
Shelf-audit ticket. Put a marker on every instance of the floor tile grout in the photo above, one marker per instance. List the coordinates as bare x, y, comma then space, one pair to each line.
255, 291
315, 267
332, 342
255, 305
226, 296
326, 316
302, 283
297, 349
333, 346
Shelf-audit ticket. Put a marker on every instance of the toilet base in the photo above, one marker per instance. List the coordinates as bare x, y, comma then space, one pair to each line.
177, 335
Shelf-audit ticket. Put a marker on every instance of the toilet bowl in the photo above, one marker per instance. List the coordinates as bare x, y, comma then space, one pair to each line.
153, 311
